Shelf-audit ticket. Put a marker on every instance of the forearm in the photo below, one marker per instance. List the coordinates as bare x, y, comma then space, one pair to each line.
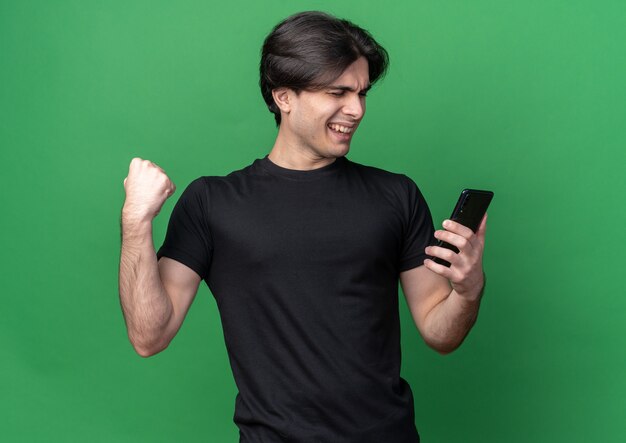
146, 306
449, 322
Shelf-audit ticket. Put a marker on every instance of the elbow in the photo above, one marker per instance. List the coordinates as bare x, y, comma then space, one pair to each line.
443, 342
445, 350
146, 350
443, 347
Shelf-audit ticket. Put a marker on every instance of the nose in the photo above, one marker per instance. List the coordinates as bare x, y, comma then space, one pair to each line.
355, 106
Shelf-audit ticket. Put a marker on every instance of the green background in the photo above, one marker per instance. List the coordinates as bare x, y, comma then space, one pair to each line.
524, 98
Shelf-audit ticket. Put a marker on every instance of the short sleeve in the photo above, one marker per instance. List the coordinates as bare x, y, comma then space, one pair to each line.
419, 231
188, 237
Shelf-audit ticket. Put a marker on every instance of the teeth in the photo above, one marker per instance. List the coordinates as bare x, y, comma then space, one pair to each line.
339, 128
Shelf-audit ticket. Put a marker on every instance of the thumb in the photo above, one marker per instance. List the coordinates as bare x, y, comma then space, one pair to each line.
482, 229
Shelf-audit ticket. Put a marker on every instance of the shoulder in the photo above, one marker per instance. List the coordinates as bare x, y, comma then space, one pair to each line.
376, 172
207, 182
209, 189
396, 181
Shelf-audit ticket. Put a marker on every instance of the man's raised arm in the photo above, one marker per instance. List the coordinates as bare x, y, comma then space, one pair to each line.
155, 296
444, 301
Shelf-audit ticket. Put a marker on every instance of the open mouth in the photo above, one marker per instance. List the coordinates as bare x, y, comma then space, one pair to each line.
340, 128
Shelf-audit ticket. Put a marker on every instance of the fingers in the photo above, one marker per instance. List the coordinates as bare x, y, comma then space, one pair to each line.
135, 164
148, 175
442, 270
457, 240
138, 162
443, 253
482, 229
457, 228
468, 244
170, 189
461, 263
465, 271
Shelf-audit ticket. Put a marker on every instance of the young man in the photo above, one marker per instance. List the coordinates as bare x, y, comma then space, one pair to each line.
303, 251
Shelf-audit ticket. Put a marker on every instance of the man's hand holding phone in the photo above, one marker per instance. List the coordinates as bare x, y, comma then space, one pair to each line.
465, 272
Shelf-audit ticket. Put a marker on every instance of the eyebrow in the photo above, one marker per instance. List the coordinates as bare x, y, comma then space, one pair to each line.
348, 88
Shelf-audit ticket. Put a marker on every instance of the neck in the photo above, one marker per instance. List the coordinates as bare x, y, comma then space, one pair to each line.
288, 154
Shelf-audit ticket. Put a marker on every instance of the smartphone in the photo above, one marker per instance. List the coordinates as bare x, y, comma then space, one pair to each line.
469, 211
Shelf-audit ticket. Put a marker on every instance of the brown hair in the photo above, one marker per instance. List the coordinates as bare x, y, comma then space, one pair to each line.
309, 50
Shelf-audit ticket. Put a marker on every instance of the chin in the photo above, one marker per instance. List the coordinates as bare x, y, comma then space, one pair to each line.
339, 151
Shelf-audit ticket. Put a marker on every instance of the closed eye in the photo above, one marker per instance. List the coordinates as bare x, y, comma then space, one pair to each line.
339, 90
342, 93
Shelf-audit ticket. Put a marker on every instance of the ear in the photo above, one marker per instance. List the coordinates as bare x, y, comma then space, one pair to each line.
281, 98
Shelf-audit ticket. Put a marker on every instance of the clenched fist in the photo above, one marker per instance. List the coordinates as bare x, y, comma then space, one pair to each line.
147, 187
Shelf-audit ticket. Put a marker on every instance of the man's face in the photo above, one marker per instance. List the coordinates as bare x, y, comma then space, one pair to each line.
321, 123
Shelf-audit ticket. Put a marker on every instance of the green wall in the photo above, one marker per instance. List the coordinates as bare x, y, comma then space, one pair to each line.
525, 98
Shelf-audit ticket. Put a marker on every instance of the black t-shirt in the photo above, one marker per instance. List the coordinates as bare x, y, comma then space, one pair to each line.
304, 267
